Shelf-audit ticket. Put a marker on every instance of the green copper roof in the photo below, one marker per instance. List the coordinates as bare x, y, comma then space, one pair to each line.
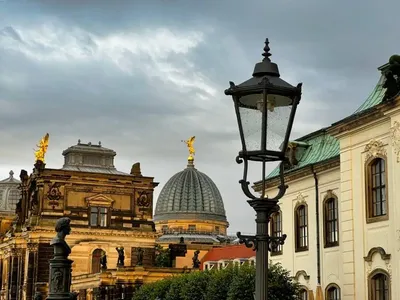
321, 147
374, 98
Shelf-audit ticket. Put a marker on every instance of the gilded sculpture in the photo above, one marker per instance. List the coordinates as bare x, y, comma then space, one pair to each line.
42, 148
189, 143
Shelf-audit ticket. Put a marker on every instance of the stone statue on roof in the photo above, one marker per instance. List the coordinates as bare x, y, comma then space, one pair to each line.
189, 143
195, 259
392, 75
42, 148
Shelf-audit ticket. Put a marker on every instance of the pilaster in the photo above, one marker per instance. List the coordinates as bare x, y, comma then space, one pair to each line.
347, 223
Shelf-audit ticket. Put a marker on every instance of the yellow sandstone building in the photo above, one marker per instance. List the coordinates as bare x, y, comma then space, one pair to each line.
108, 209
111, 216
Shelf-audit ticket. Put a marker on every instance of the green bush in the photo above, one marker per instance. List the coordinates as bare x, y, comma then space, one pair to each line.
231, 283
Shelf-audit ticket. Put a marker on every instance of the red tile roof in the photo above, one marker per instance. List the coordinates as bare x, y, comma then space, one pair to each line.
230, 252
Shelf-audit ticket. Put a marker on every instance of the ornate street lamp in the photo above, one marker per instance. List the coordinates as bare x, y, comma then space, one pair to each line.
265, 107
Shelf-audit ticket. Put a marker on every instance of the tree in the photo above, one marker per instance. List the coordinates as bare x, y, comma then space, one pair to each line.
219, 283
162, 257
231, 283
242, 285
196, 285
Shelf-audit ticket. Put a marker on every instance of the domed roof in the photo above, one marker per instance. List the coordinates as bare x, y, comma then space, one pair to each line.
190, 194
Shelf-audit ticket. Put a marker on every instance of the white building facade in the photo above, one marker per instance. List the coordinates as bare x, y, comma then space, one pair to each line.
341, 212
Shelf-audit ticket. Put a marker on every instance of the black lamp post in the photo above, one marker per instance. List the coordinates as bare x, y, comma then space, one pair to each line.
265, 107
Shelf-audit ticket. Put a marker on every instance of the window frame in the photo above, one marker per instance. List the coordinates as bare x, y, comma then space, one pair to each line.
371, 290
303, 289
273, 230
297, 228
107, 214
370, 218
330, 287
327, 243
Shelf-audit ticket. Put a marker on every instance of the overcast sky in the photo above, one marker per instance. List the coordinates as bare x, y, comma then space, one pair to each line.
142, 75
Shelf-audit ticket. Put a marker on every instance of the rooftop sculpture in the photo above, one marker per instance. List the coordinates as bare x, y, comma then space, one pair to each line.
42, 148
189, 143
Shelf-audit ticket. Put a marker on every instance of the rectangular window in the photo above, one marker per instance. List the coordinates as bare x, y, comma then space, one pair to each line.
217, 230
301, 228
276, 231
331, 223
164, 228
98, 217
377, 202
192, 228
94, 213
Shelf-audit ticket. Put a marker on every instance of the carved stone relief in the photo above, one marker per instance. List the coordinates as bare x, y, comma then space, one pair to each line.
300, 197
33, 247
374, 148
395, 136
57, 281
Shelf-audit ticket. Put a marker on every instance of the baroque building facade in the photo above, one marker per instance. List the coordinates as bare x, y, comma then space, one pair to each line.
108, 209
340, 211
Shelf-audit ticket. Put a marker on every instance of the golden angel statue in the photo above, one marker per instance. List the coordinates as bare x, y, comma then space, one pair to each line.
189, 144
42, 148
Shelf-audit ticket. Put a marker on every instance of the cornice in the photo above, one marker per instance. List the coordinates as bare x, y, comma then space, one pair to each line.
93, 232
358, 122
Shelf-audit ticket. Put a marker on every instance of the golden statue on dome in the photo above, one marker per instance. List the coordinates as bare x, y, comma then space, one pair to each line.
42, 148
189, 143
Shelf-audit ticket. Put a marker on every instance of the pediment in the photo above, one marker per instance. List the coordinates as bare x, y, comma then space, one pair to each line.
99, 200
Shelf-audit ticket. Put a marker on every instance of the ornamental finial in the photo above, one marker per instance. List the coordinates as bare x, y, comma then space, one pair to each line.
189, 143
266, 53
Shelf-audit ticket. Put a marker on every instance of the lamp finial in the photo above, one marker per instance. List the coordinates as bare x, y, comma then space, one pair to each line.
266, 49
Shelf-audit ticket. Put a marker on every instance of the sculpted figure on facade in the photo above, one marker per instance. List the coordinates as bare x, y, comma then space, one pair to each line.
121, 256
103, 260
195, 259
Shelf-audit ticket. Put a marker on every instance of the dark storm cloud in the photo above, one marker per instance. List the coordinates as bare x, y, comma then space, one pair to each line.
142, 75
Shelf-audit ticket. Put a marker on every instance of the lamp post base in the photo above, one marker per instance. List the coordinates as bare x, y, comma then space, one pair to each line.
261, 242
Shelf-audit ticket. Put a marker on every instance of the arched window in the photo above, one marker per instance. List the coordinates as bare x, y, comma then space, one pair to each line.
276, 231
13, 198
331, 224
303, 294
332, 292
376, 190
96, 257
379, 286
301, 223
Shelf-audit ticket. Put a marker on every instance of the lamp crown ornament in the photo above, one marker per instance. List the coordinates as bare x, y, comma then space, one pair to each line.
266, 53
266, 67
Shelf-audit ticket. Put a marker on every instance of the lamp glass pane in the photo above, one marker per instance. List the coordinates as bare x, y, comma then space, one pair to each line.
278, 114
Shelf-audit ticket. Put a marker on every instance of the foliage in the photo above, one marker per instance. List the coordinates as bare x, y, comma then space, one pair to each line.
162, 257
219, 283
243, 284
231, 283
